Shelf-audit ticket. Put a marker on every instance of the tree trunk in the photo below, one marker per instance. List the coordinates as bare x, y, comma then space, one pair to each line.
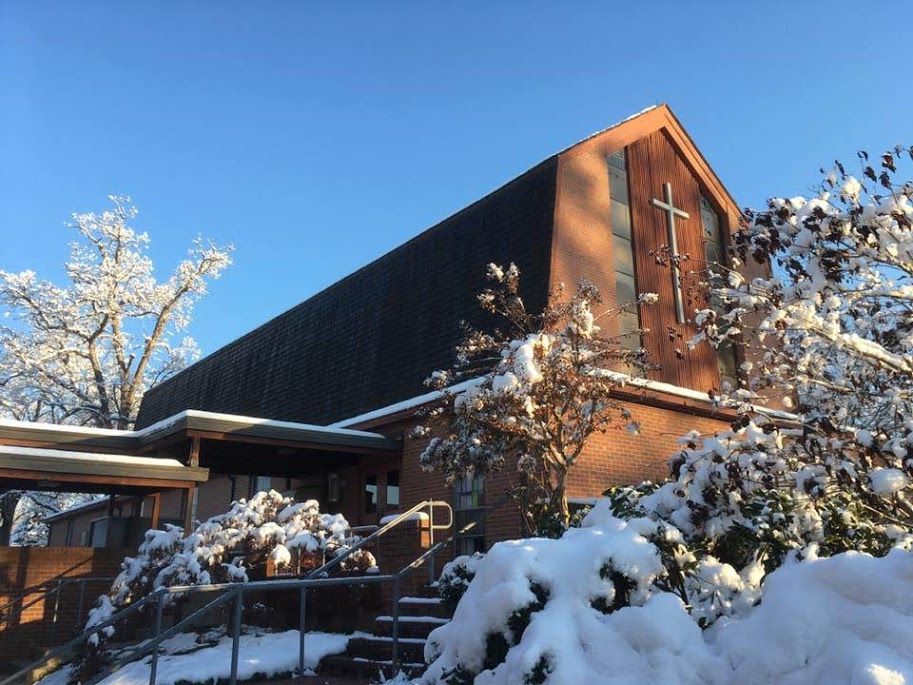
8, 503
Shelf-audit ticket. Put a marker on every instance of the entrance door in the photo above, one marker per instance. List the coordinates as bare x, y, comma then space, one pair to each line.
379, 493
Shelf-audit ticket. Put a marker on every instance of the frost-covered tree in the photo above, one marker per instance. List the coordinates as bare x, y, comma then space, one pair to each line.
85, 352
833, 324
541, 388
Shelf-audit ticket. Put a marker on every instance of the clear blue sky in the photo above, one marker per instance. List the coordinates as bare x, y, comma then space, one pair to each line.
317, 136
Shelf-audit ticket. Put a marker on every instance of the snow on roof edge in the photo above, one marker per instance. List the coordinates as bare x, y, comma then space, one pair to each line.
172, 420
99, 501
608, 128
411, 403
624, 379
72, 455
70, 428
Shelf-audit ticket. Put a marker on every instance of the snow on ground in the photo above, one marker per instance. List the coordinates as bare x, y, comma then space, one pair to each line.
261, 654
847, 619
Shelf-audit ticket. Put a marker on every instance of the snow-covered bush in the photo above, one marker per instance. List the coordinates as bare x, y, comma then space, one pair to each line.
224, 549
552, 610
455, 578
762, 491
539, 393
590, 608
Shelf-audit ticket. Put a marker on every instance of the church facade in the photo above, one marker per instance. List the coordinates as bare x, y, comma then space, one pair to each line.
633, 209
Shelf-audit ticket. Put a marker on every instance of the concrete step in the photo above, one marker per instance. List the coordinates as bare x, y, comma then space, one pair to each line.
380, 648
422, 606
367, 670
427, 590
410, 626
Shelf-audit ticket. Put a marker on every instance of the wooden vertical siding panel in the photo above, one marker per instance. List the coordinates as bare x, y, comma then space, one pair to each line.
652, 161
649, 236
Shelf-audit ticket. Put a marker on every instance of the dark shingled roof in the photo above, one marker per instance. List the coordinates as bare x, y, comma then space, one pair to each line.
372, 338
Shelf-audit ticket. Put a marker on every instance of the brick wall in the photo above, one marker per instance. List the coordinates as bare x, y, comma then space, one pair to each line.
26, 632
613, 458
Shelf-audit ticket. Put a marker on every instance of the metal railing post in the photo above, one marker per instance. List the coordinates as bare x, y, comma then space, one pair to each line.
156, 631
80, 603
56, 611
395, 656
302, 624
236, 637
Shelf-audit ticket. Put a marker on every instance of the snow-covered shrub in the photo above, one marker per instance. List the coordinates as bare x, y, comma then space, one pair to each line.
537, 609
455, 578
223, 549
539, 392
843, 619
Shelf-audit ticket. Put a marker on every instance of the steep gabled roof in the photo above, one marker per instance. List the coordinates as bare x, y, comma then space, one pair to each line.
373, 337
370, 339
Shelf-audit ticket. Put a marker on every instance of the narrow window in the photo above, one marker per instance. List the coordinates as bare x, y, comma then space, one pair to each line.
371, 493
392, 489
715, 257
468, 493
623, 251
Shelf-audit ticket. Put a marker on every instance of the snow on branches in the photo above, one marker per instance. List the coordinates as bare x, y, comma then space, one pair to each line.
831, 326
833, 323
222, 550
540, 393
86, 352
224, 547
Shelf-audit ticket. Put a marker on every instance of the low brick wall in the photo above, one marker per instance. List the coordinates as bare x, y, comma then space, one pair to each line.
53, 620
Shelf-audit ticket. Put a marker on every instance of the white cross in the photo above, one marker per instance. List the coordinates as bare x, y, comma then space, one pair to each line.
671, 212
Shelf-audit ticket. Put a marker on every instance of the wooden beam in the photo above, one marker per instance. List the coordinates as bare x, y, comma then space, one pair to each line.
92, 479
194, 458
316, 446
156, 509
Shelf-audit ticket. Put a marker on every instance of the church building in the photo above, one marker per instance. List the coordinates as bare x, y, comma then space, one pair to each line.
317, 402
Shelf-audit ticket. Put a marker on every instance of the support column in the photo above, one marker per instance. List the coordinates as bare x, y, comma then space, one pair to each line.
156, 508
111, 500
190, 504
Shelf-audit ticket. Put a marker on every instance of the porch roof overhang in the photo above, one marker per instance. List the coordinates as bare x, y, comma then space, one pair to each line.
227, 443
38, 468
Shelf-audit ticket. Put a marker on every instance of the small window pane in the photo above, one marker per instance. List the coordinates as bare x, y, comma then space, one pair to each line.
728, 364
392, 488
468, 491
370, 493
713, 253
618, 185
710, 222
624, 259
618, 159
625, 290
620, 216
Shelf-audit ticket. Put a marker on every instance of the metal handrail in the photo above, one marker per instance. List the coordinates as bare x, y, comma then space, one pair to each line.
430, 504
81, 638
9, 610
236, 591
